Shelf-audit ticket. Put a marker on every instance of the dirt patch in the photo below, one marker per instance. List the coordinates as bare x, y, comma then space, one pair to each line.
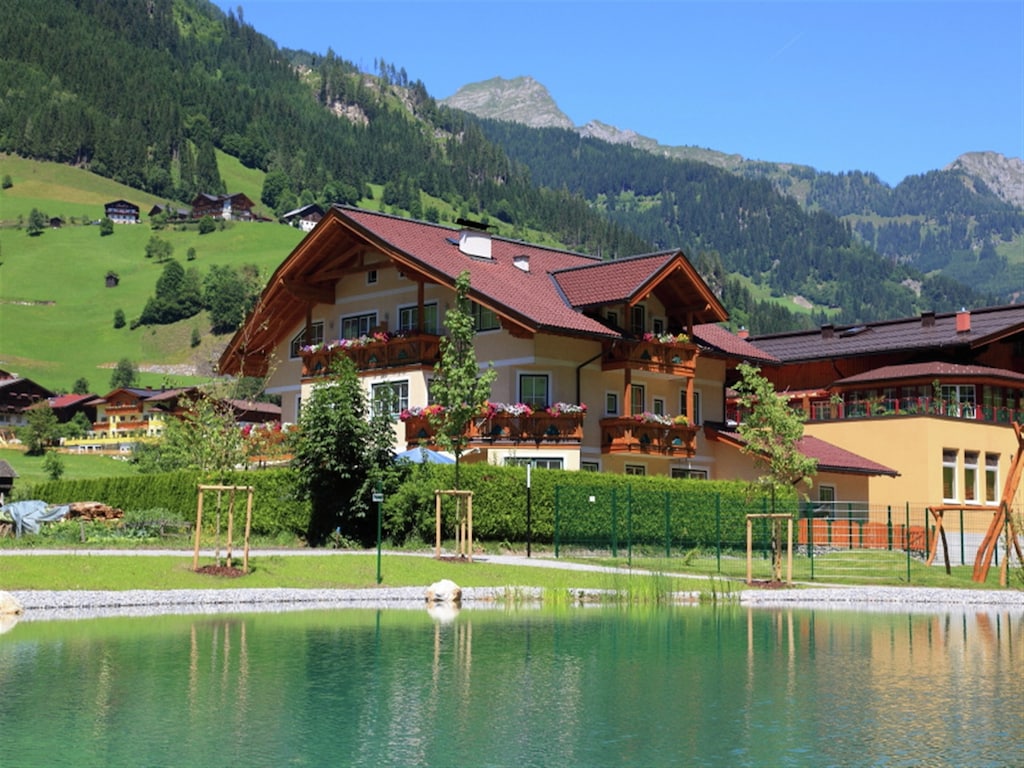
768, 584
226, 571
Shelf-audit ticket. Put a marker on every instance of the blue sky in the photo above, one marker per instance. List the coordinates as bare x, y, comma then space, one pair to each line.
896, 88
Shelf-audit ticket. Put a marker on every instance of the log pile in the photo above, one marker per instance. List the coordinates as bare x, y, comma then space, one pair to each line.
92, 510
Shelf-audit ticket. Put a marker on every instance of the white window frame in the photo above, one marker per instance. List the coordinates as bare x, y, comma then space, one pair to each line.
407, 317
399, 387
537, 462
688, 473
532, 400
950, 460
991, 478
371, 277
590, 466
971, 477
364, 322
635, 470
298, 340
611, 403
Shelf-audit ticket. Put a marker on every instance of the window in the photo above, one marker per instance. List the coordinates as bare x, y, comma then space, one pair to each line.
826, 500
695, 417
991, 478
533, 390
390, 397
971, 476
959, 400
536, 463
316, 336
611, 404
685, 473
354, 326
613, 319
636, 469
636, 399
590, 466
484, 319
371, 277
949, 491
408, 317
657, 325
658, 406
637, 324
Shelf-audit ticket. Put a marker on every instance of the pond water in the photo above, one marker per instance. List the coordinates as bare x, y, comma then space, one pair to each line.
687, 686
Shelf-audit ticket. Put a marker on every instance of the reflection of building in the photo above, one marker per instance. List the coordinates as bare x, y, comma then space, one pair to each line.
634, 339
932, 397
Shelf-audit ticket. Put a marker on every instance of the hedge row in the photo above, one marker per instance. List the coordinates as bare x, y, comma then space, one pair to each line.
585, 506
275, 508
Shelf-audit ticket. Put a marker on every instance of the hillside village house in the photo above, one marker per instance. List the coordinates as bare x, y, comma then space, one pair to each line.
17, 395
236, 207
121, 212
933, 397
633, 339
304, 218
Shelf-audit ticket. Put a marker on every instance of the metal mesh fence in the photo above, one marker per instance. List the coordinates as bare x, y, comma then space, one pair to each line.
840, 541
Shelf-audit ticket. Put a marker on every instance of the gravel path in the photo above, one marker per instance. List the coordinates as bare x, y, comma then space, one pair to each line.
43, 605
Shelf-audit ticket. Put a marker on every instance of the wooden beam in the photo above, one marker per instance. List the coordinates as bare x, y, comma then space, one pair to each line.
318, 294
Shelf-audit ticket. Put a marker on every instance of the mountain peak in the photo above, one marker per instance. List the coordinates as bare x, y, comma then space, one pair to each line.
519, 100
1003, 175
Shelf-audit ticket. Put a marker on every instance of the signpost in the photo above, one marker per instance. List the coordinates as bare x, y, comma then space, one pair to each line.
378, 497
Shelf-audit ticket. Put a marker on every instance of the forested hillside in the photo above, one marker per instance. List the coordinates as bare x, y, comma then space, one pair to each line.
146, 91
731, 224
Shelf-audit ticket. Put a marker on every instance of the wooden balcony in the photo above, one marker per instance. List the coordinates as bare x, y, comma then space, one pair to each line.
622, 434
676, 358
539, 429
422, 350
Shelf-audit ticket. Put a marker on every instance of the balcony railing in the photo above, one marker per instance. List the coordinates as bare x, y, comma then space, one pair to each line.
824, 410
676, 358
395, 352
623, 434
538, 428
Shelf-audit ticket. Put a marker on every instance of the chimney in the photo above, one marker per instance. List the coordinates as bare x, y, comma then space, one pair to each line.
828, 331
522, 262
963, 321
743, 333
927, 319
475, 243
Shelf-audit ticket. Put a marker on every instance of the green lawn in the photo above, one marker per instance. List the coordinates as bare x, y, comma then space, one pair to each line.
77, 466
342, 571
55, 309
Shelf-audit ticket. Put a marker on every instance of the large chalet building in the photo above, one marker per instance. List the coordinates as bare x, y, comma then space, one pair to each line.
615, 366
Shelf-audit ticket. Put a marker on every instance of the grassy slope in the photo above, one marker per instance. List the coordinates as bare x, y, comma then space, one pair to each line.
56, 315
77, 466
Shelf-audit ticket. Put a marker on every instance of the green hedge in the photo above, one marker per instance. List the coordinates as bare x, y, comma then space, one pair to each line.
647, 510
275, 509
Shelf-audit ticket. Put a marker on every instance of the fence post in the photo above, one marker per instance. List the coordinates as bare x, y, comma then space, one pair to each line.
615, 525
888, 524
907, 529
629, 531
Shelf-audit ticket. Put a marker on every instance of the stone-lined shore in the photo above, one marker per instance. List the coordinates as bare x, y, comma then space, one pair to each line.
40, 605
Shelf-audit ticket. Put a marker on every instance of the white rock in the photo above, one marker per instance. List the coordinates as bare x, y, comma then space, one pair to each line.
444, 591
9, 606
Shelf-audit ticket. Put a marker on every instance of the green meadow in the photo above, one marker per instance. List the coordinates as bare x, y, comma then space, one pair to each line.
56, 312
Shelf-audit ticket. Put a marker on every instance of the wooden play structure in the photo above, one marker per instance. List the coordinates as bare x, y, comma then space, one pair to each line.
463, 523
775, 520
1002, 518
231, 491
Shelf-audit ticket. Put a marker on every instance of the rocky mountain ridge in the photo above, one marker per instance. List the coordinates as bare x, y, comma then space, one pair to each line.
526, 101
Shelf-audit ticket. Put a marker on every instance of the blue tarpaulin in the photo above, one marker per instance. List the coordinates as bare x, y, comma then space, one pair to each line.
28, 515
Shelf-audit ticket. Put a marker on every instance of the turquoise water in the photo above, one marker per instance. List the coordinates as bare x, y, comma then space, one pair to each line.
691, 686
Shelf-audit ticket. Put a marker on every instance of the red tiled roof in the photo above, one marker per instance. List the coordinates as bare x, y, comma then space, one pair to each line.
548, 296
831, 458
63, 401
986, 326
932, 370
721, 340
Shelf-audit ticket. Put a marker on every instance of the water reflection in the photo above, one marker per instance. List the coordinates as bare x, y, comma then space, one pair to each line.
597, 686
